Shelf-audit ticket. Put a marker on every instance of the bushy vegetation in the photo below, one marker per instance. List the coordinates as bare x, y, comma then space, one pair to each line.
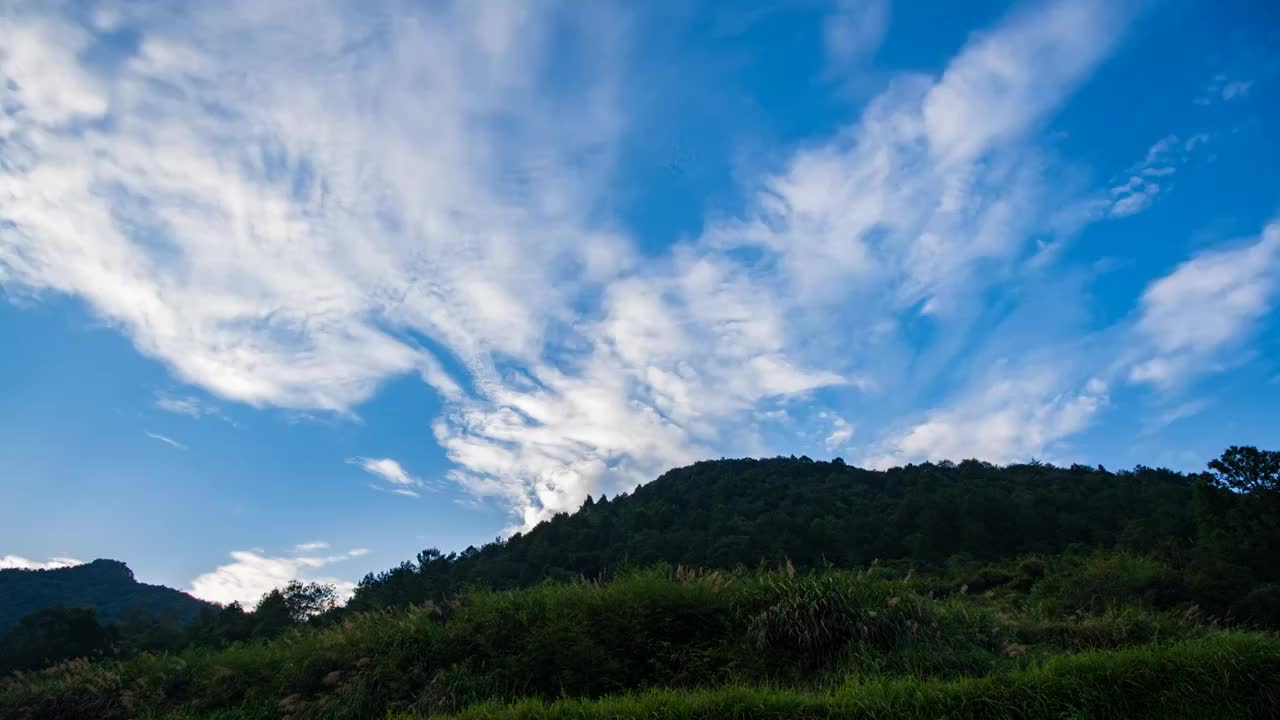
1152, 610
657, 628
1230, 676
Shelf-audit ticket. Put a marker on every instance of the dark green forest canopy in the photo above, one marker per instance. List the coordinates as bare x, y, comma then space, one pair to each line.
727, 513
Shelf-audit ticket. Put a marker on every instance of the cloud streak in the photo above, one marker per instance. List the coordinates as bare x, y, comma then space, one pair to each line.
166, 440
393, 477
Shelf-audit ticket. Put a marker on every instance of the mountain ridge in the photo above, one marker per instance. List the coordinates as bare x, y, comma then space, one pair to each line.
104, 585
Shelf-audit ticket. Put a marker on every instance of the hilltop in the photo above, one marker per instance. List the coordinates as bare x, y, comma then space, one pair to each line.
748, 512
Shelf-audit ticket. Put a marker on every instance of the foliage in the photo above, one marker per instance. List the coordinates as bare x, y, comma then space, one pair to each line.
1232, 676
54, 635
729, 513
1247, 470
1105, 580
295, 603
656, 628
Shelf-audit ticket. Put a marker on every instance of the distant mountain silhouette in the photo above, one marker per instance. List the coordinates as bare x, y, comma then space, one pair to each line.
107, 586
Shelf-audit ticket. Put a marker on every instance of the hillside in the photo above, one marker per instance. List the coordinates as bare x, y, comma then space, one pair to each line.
107, 586
726, 513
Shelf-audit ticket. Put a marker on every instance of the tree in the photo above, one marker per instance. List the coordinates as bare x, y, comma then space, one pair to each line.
55, 634
294, 604
305, 601
1247, 469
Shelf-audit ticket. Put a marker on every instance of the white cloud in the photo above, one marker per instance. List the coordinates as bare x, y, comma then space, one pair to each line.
1138, 189
841, 431
277, 204
1134, 196
1206, 307
1181, 411
1008, 417
1007, 79
934, 182
265, 196
253, 573
1187, 323
1224, 88
387, 469
311, 546
397, 480
166, 440
17, 561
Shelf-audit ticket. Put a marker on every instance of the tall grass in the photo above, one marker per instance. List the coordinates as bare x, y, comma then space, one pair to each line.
1233, 675
659, 628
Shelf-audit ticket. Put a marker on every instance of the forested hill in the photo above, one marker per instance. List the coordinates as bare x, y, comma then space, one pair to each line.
107, 586
746, 512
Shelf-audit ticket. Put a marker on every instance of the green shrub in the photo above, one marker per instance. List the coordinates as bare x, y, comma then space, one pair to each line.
1029, 572
1260, 608
1104, 580
815, 618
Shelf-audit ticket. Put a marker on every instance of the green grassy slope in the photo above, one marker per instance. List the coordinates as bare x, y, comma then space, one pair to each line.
831, 642
1228, 676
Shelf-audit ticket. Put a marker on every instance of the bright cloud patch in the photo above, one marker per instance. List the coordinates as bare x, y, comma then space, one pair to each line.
1010, 419
1207, 305
252, 574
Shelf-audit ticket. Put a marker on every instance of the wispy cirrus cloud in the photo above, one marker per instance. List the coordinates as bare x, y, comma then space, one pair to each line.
280, 207
165, 439
1009, 416
394, 478
1206, 307
190, 406
1187, 324
1145, 180
1225, 88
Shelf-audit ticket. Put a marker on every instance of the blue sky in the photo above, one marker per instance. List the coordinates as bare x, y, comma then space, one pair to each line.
298, 292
